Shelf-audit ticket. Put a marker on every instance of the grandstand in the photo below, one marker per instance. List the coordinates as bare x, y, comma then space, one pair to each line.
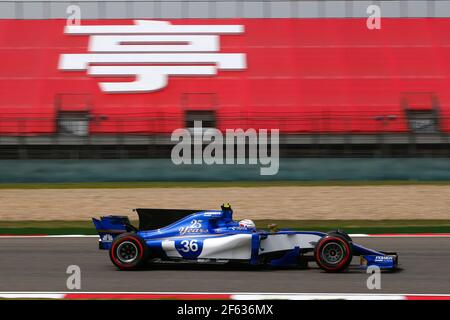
313, 70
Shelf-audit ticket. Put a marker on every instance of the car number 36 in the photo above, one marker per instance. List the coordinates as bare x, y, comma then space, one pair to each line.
189, 245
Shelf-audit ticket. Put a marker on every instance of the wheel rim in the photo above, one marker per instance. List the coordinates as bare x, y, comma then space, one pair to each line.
127, 252
332, 253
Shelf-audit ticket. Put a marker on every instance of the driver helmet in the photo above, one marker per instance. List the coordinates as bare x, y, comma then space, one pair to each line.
247, 223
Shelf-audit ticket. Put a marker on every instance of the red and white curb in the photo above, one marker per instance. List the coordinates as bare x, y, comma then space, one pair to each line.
353, 235
339, 296
218, 296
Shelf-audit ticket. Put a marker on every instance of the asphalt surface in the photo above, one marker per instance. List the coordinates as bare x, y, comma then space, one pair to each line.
40, 264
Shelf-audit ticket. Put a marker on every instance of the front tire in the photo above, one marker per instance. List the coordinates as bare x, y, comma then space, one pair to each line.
333, 253
128, 252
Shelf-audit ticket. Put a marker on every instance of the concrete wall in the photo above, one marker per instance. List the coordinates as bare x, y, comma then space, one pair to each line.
164, 170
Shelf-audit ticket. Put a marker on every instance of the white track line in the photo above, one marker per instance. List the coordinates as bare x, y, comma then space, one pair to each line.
31, 295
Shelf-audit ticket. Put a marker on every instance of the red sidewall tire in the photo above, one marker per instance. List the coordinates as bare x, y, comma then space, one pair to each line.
346, 260
141, 254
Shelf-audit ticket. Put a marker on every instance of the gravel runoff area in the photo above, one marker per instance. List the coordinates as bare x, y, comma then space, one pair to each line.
283, 202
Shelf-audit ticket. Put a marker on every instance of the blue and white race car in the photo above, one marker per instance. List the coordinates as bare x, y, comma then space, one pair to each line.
212, 236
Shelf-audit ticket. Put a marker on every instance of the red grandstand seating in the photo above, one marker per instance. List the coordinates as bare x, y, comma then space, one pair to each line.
302, 76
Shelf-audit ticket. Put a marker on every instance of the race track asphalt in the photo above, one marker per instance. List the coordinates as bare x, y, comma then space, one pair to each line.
40, 264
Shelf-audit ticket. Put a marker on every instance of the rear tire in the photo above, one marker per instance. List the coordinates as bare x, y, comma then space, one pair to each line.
333, 253
128, 252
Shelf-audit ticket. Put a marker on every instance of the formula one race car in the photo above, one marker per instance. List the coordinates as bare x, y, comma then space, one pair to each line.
212, 236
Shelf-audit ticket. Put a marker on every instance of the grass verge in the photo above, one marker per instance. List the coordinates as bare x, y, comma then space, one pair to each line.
350, 226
